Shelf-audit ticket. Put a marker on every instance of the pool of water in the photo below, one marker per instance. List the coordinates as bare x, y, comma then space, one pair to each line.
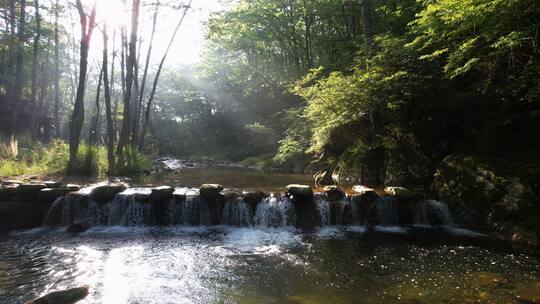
254, 265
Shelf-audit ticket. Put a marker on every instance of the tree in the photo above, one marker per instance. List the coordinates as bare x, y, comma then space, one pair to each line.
108, 112
77, 118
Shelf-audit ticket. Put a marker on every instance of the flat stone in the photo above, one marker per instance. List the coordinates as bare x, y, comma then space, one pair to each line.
210, 191
253, 197
11, 182
334, 193
52, 184
106, 193
399, 192
8, 192
29, 192
67, 296
300, 191
161, 193
49, 195
230, 195
363, 189
73, 187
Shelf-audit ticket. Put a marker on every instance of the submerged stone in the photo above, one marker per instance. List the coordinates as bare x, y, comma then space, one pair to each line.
161, 193
48, 195
300, 192
334, 193
211, 191
29, 192
68, 296
106, 193
399, 192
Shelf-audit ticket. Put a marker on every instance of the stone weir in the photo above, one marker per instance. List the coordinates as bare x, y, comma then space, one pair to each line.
298, 206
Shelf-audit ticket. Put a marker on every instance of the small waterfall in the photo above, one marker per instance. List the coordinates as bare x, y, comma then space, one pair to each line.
324, 208
275, 212
432, 212
359, 210
237, 213
346, 212
387, 212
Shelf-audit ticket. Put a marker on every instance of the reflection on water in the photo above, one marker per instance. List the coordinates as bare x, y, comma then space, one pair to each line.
229, 177
241, 265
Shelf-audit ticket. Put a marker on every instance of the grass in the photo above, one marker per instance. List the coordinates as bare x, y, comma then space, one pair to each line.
35, 158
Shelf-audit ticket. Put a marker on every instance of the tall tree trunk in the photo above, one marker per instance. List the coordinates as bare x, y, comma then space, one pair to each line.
56, 73
156, 78
12, 46
17, 91
40, 107
37, 36
111, 86
132, 57
146, 65
108, 113
77, 118
368, 27
94, 131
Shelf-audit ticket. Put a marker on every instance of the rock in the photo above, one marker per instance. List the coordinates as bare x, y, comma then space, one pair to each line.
363, 189
8, 192
68, 296
11, 182
300, 192
73, 187
230, 195
29, 192
162, 193
211, 191
323, 178
48, 195
399, 192
52, 184
253, 198
79, 227
334, 193
106, 193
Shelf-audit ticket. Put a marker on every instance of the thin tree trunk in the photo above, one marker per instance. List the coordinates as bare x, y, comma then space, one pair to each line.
108, 113
94, 131
40, 108
37, 36
111, 92
156, 78
146, 65
132, 57
77, 118
19, 69
56, 73
368, 28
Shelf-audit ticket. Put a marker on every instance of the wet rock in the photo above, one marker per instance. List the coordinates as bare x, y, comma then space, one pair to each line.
29, 192
323, 178
399, 192
363, 189
68, 296
253, 198
162, 193
8, 192
52, 184
48, 195
79, 227
334, 193
106, 193
73, 187
11, 182
211, 191
230, 195
300, 192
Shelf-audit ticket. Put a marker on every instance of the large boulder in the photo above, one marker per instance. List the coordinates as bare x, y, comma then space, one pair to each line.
211, 191
29, 192
359, 189
161, 193
106, 193
68, 296
300, 192
493, 194
334, 193
48, 195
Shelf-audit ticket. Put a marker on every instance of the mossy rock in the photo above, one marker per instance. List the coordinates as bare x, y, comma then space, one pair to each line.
211, 191
334, 193
161, 193
106, 193
301, 192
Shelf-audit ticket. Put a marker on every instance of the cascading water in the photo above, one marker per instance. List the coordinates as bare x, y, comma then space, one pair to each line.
324, 208
275, 212
387, 212
237, 213
432, 212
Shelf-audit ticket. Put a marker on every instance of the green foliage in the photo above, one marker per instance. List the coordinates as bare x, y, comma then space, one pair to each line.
134, 161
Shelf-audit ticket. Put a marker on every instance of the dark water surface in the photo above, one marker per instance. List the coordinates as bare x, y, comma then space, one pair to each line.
251, 265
